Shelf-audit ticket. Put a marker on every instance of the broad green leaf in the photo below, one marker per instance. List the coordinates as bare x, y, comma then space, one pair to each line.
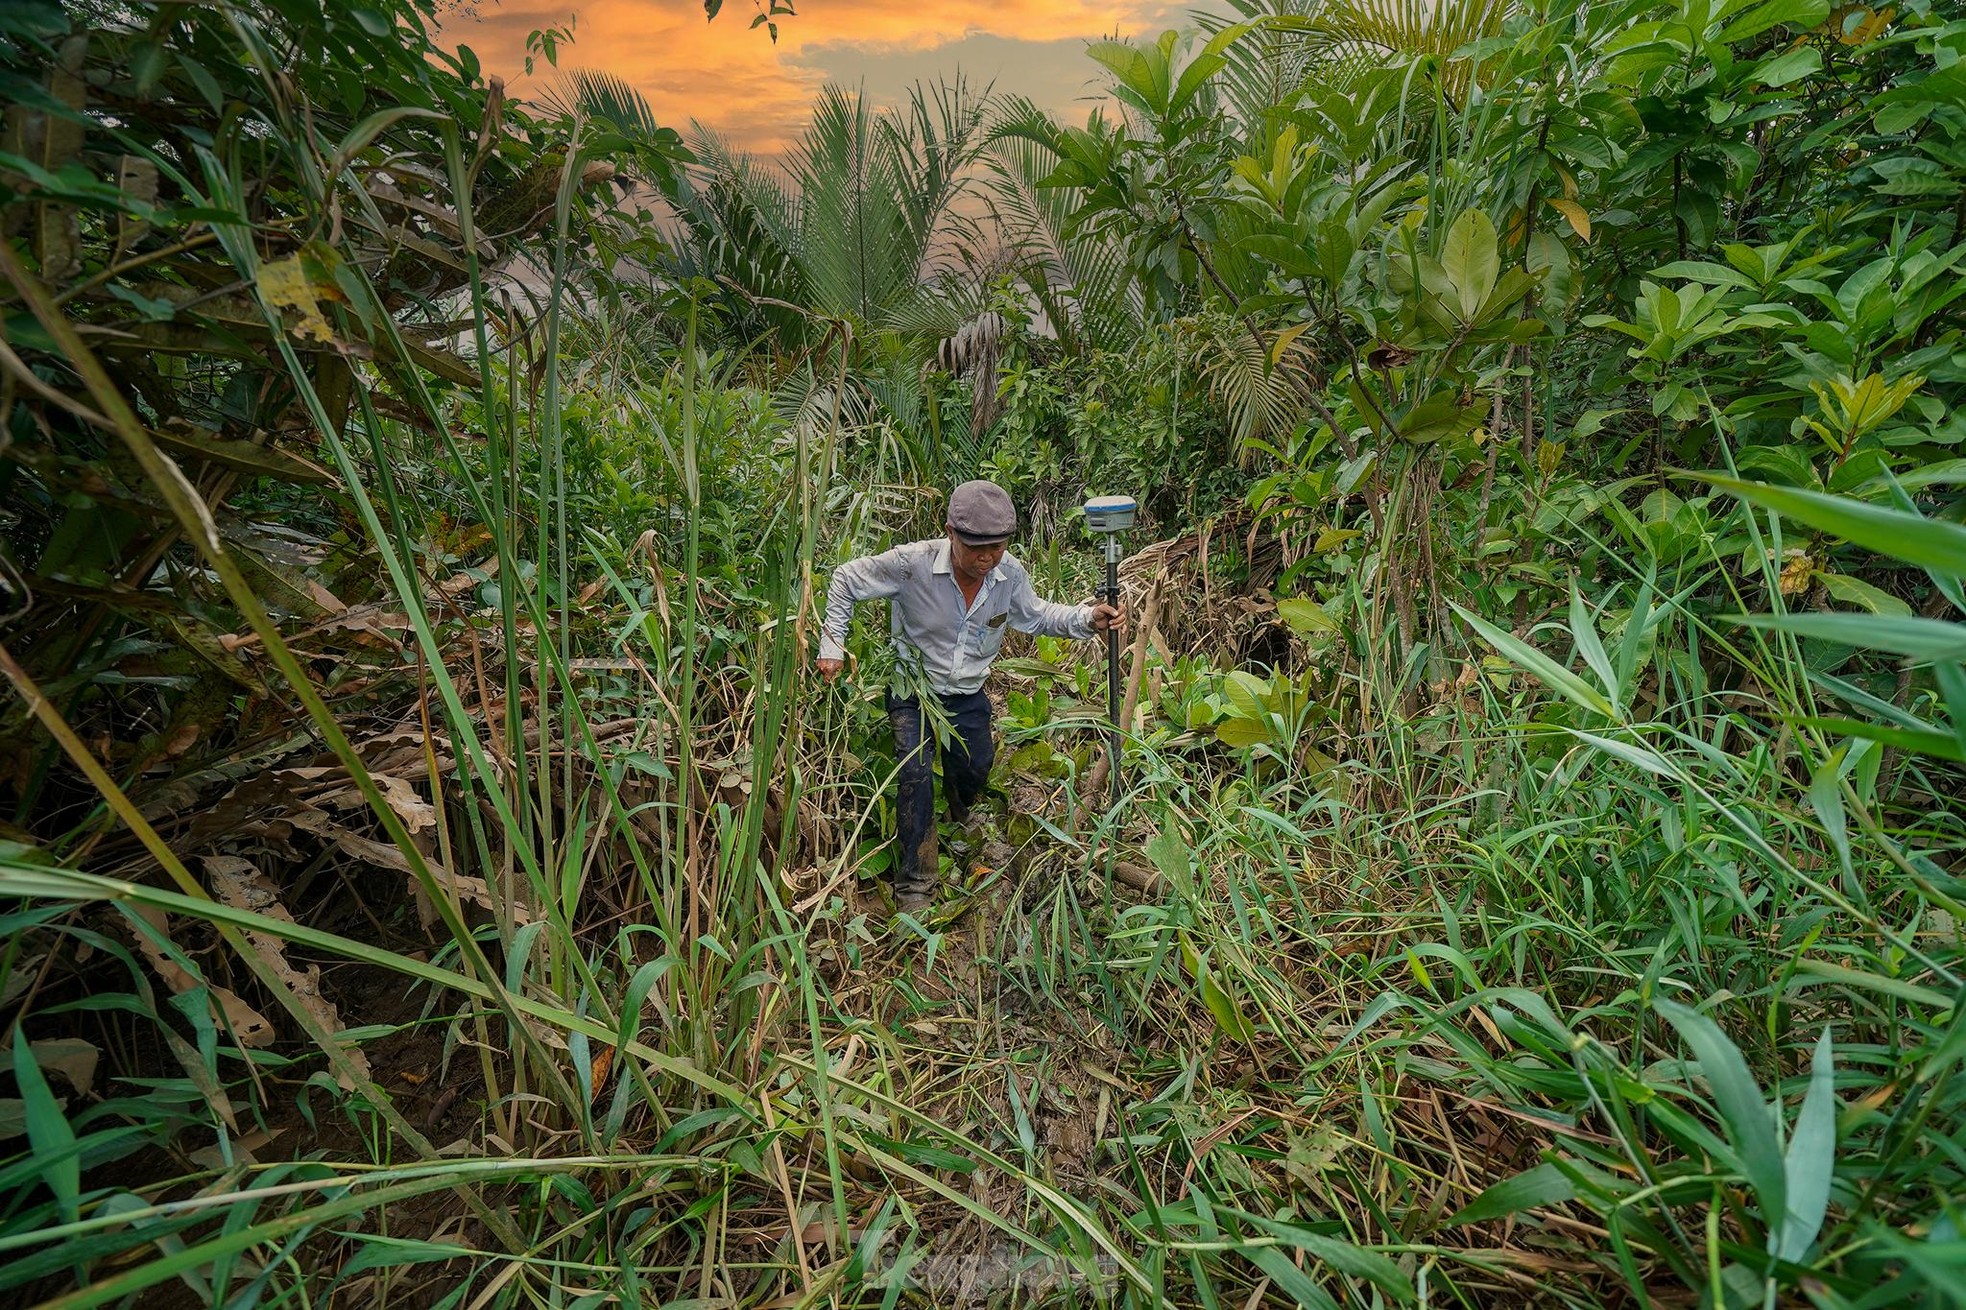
1549, 261
1803, 15
1305, 617
1788, 66
1945, 473
1204, 65
1707, 274
1439, 418
1544, 1185
1553, 675
1744, 1112
1240, 732
1928, 543
1170, 855
1471, 260
1282, 251
1903, 106
1343, 1256
1811, 1157
1914, 637
1855, 591
1246, 694
48, 1131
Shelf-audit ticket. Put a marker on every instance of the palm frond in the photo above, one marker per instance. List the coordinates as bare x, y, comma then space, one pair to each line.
1081, 278
928, 152
604, 96
1407, 30
805, 399
1265, 68
1263, 395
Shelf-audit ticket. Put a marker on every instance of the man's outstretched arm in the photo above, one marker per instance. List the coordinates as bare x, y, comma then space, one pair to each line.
1031, 613
872, 577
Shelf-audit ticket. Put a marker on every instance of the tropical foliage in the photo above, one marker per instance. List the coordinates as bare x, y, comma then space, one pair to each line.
433, 878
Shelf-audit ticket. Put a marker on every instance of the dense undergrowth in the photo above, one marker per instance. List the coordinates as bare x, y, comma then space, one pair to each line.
434, 879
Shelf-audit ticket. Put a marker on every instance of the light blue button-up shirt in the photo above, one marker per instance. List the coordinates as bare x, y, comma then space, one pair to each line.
953, 642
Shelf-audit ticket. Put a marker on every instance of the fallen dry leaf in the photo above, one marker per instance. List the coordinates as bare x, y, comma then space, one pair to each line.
183, 739
384, 856
598, 1071
415, 812
247, 1024
71, 1057
238, 884
326, 599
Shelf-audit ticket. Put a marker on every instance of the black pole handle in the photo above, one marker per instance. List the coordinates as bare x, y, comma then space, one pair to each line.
1113, 678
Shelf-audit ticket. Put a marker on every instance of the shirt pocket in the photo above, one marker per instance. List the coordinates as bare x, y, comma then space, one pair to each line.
991, 627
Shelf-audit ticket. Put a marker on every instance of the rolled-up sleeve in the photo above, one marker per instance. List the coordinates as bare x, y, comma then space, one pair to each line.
1031, 613
876, 577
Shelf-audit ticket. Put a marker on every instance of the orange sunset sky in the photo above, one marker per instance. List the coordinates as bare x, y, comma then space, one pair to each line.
733, 79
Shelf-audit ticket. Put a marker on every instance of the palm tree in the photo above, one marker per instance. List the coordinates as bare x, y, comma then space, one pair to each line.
859, 225
1350, 37
1080, 278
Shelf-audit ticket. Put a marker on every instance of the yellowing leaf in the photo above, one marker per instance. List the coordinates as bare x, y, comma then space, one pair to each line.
1859, 24
1569, 178
1574, 214
1549, 456
1284, 341
1858, 406
284, 284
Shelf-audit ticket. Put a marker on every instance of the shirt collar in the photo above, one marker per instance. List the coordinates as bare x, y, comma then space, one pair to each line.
942, 563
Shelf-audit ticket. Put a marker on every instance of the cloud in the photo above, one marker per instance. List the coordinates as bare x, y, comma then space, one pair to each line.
1055, 74
733, 79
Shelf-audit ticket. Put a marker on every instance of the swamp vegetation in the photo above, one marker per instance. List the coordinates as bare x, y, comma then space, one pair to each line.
433, 876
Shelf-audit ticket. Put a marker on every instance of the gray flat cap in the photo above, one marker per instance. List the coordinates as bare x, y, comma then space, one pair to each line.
981, 513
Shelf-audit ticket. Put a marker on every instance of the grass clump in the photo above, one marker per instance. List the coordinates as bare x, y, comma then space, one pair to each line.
434, 878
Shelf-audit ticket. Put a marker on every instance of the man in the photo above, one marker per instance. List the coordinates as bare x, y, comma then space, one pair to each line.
950, 602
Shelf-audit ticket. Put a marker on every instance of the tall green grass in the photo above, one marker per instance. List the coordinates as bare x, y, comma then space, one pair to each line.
1596, 973
1625, 968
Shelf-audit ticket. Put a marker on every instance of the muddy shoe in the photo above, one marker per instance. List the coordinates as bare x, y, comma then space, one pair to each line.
913, 899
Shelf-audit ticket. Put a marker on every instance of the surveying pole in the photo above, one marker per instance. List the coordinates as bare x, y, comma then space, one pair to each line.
1106, 517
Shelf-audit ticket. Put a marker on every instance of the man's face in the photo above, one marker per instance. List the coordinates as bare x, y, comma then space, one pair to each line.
972, 562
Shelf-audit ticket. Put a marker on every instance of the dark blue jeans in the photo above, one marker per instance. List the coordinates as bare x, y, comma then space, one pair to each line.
966, 764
